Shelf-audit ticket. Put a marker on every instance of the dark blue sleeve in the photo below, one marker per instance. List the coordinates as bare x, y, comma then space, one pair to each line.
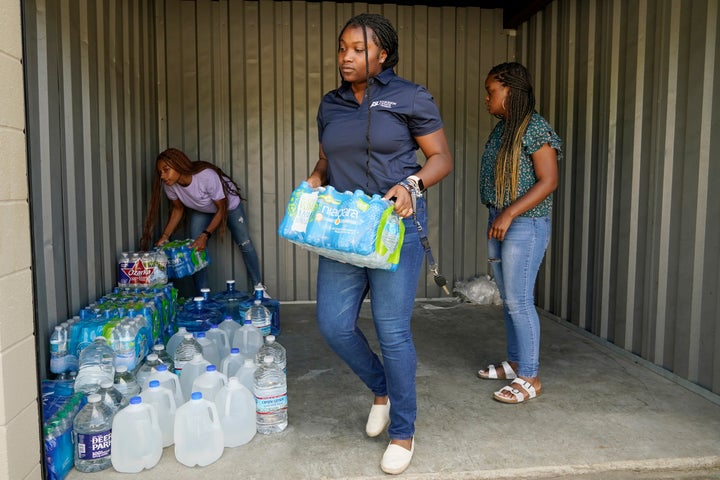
425, 117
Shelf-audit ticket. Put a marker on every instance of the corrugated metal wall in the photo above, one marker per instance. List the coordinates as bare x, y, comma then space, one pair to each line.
91, 124
633, 88
240, 83
629, 85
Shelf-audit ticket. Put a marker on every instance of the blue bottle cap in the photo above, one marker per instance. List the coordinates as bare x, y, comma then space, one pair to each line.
135, 400
196, 396
210, 368
154, 383
200, 334
161, 368
234, 350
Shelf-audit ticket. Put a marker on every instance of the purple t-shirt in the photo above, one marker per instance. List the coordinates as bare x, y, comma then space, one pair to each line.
204, 189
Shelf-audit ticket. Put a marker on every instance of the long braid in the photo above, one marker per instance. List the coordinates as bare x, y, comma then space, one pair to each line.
519, 109
180, 162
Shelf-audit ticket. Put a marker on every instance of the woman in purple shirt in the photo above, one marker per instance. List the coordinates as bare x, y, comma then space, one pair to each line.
214, 201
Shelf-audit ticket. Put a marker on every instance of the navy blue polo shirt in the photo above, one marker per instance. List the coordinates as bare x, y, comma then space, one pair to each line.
399, 111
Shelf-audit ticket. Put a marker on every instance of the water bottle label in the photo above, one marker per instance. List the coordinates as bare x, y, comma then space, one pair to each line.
92, 446
265, 330
305, 207
271, 405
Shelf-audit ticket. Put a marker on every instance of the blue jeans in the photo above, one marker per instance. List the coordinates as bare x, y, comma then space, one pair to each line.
520, 256
237, 225
341, 290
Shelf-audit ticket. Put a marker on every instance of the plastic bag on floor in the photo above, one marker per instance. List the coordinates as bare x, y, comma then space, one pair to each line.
481, 290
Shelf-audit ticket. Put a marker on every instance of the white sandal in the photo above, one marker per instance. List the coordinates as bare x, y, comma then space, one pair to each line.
492, 373
518, 396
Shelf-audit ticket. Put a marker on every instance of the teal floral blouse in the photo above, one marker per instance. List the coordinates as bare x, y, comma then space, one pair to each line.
538, 133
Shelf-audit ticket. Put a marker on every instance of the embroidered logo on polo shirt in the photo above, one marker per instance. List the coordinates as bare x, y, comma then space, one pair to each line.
383, 103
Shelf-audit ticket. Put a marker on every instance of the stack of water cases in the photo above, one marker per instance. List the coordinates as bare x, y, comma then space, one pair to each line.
131, 320
142, 269
60, 405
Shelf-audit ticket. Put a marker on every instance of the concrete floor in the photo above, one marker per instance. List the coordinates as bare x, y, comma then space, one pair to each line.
603, 414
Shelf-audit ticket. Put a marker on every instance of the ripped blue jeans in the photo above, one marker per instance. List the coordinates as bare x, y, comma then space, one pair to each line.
238, 227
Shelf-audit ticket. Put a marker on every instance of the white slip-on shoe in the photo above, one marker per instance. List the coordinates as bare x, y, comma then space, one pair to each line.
396, 459
378, 419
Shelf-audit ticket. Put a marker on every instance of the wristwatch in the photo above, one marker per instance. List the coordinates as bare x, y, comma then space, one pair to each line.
417, 181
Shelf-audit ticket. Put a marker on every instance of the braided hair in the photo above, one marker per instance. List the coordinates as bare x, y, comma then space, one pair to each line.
178, 161
519, 110
386, 38
383, 34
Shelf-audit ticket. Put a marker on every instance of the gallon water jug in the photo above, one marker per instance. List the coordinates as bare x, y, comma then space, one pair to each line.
164, 402
170, 381
193, 369
221, 340
236, 407
248, 339
209, 349
246, 373
230, 364
198, 432
136, 438
209, 383
229, 326
97, 363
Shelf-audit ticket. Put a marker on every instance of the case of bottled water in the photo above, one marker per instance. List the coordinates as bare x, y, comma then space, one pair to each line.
349, 227
60, 405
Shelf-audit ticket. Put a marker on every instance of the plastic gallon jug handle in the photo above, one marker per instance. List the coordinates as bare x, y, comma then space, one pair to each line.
227, 407
153, 415
171, 400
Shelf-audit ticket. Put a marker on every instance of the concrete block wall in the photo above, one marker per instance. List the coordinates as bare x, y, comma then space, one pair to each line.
20, 447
